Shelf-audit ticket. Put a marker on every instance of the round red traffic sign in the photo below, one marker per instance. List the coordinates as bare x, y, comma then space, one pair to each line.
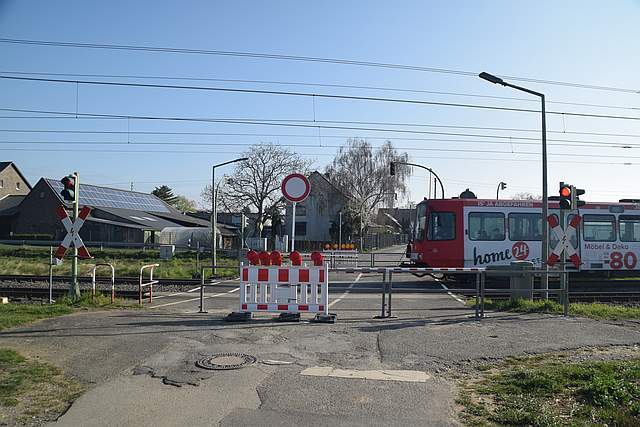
295, 187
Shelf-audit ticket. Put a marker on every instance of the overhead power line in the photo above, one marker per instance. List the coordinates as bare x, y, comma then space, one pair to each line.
504, 139
319, 95
312, 84
358, 122
147, 152
259, 55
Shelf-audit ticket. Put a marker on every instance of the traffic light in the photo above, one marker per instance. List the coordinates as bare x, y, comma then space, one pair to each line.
575, 198
392, 170
68, 193
565, 196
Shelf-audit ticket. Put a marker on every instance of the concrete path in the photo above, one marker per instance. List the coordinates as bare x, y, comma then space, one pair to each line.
141, 363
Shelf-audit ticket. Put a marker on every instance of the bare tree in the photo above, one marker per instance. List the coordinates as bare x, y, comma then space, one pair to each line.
362, 173
255, 183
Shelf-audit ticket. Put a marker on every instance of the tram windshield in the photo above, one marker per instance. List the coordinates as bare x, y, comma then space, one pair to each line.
421, 221
442, 226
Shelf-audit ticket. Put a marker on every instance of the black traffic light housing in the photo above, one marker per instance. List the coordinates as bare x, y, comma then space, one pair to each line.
575, 197
565, 196
392, 168
68, 193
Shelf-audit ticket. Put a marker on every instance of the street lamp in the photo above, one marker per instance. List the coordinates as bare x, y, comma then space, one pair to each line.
214, 213
501, 186
545, 202
362, 214
423, 167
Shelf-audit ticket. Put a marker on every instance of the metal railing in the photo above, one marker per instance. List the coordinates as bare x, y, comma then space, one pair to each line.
113, 281
150, 283
387, 283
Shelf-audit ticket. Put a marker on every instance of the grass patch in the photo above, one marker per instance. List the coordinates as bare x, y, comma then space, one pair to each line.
592, 310
34, 260
17, 314
554, 392
31, 390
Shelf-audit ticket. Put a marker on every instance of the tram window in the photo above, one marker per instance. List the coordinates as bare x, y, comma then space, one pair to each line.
421, 223
442, 226
525, 226
629, 228
599, 228
486, 226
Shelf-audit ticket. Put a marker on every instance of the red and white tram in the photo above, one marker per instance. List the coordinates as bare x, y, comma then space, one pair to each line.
480, 233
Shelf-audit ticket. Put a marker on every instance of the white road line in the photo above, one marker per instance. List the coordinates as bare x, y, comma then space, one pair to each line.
195, 299
335, 301
455, 297
378, 375
190, 290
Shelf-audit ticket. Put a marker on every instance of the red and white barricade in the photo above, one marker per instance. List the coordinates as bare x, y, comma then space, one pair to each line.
284, 289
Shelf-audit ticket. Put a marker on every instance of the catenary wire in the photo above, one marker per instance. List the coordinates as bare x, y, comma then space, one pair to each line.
311, 84
258, 55
320, 95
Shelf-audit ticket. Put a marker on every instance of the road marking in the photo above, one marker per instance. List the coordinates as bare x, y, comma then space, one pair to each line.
195, 299
377, 375
345, 293
455, 297
190, 290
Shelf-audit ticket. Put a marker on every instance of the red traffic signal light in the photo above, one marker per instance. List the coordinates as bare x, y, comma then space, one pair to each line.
565, 196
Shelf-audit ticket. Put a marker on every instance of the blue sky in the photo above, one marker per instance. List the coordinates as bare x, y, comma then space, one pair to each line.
580, 41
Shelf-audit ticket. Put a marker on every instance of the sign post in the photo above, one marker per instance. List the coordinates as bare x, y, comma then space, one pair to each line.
73, 238
563, 247
295, 188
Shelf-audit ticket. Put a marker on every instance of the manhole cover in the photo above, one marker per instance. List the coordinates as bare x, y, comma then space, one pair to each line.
222, 361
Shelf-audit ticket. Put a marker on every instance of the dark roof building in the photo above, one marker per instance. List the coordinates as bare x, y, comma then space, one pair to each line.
12, 182
118, 216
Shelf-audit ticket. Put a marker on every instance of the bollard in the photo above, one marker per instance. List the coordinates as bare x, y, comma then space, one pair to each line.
521, 284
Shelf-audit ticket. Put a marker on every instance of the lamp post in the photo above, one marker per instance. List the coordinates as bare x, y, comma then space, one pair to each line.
545, 201
423, 167
362, 214
214, 213
501, 186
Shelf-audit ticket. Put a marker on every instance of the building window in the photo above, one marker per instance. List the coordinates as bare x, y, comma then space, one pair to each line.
486, 226
599, 228
1, 183
301, 210
301, 228
525, 226
629, 228
442, 226
17, 186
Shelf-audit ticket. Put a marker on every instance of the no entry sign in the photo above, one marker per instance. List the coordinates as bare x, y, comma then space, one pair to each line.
295, 187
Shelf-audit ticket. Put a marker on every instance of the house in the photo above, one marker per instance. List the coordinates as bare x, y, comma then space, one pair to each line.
14, 187
315, 215
118, 216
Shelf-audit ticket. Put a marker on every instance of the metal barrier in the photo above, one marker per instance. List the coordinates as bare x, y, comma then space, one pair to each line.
113, 281
387, 283
150, 283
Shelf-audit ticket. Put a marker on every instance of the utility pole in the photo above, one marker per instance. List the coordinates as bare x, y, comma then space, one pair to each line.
74, 290
340, 232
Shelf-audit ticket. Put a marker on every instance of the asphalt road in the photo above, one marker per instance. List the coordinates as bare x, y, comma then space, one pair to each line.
140, 365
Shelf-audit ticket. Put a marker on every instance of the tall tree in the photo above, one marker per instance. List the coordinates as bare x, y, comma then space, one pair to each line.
184, 204
362, 173
255, 183
165, 193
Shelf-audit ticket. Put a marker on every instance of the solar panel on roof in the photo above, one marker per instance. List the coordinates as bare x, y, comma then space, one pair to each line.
92, 195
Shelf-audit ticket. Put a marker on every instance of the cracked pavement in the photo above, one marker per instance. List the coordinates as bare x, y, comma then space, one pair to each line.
140, 365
